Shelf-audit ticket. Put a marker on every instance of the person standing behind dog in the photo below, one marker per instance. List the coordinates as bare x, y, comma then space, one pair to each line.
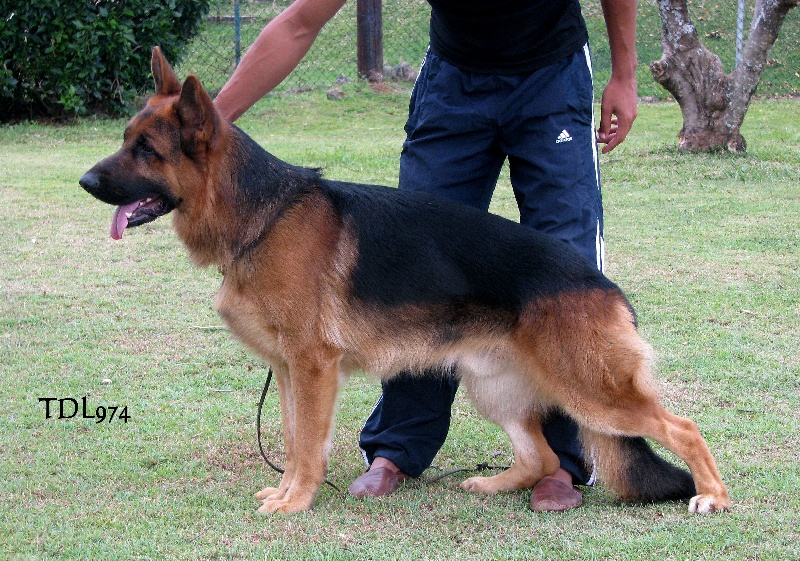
507, 80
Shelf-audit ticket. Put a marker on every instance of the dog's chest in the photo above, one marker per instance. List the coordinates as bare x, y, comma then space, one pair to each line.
248, 322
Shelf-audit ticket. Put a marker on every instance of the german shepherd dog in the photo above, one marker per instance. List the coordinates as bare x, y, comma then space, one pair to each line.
321, 278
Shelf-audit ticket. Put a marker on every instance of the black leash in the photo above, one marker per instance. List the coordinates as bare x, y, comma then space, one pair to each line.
480, 467
258, 422
258, 428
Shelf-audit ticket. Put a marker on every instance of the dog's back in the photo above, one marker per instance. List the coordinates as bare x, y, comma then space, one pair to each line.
414, 247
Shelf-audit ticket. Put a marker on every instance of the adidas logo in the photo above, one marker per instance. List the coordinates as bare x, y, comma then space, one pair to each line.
563, 137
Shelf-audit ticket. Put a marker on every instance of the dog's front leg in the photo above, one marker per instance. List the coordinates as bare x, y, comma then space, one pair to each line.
286, 398
311, 400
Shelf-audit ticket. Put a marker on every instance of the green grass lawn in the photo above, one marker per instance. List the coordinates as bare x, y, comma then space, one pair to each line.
707, 247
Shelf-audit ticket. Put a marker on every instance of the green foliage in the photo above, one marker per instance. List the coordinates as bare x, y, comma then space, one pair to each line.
64, 58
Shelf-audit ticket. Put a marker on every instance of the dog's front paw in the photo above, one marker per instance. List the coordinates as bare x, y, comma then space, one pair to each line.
284, 505
270, 493
704, 504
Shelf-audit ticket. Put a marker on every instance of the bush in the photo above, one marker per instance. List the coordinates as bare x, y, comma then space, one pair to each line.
64, 58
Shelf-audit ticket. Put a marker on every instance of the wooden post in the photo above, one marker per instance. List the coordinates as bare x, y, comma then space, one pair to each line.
369, 20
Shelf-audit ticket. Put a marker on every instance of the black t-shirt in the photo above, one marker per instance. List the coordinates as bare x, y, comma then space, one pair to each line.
506, 36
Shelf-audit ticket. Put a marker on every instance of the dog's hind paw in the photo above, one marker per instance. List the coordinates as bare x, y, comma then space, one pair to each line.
484, 485
704, 504
512, 479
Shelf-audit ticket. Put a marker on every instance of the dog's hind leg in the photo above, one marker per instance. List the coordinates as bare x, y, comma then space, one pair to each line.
533, 459
682, 437
631, 410
632, 470
593, 365
312, 393
611, 393
507, 401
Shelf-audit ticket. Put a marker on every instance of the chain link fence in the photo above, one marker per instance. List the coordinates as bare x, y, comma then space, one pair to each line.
232, 26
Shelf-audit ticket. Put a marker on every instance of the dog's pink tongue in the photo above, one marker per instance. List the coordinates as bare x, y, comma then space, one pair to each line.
120, 221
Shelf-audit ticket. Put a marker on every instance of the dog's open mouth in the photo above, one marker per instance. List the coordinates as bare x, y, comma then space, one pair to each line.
138, 213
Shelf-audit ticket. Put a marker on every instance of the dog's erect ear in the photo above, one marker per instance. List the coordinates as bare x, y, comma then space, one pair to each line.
199, 119
167, 82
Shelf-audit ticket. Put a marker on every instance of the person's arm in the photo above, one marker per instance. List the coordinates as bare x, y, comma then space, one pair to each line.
618, 108
279, 48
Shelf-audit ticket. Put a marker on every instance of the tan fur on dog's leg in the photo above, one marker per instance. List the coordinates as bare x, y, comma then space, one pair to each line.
287, 417
682, 437
533, 459
314, 390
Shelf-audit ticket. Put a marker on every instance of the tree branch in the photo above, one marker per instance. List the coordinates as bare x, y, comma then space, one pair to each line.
713, 103
768, 18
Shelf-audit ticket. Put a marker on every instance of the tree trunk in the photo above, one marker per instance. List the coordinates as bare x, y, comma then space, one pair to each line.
713, 103
369, 18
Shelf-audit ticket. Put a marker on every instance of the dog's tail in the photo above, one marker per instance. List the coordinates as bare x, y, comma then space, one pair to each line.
630, 469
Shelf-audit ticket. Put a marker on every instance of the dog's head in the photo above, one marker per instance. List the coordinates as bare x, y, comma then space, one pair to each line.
164, 159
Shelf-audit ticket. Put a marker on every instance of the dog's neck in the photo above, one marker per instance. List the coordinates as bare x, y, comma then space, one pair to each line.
253, 188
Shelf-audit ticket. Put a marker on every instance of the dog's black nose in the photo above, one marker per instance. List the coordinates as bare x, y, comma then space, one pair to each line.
90, 181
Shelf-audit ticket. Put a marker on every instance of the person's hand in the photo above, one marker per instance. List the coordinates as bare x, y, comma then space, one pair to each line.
618, 110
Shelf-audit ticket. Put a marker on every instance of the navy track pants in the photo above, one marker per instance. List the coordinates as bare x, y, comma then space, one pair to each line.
461, 128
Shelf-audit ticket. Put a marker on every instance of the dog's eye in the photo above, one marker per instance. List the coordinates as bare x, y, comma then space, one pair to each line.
144, 148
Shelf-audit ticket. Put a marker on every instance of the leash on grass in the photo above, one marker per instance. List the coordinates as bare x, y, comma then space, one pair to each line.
258, 428
480, 467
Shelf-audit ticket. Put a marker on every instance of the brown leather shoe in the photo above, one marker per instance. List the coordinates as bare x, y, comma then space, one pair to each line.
376, 482
553, 495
